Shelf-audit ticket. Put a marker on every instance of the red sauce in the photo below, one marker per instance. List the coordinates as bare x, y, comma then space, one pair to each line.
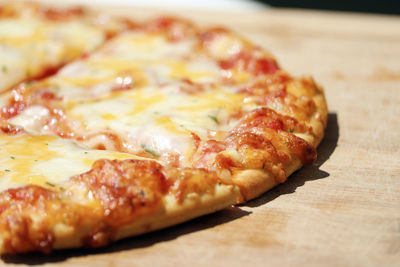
45, 94
278, 95
30, 194
262, 66
267, 118
10, 129
122, 87
271, 86
47, 72
187, 86
209, 35
175, 29
196, 140
223, 162
213, 146
62, 14
245, 61
16, 105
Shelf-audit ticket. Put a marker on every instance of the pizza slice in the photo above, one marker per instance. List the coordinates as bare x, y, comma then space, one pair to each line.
55, 194
35, 40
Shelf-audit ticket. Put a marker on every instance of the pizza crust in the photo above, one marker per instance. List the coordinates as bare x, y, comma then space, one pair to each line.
172, 213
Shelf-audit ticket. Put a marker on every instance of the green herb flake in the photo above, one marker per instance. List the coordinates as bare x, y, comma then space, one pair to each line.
50, 184
86, 152
4, 68
151, 152
57, 88
29, 82
6, 170
214, 118
12, 157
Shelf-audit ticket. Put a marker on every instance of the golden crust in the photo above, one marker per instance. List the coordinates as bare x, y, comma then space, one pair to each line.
172, 213
253, 182
193, 206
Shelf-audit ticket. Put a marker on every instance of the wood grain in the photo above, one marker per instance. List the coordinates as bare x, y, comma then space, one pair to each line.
344, 210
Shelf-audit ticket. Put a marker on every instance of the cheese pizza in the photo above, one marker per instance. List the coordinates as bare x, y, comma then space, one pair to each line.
160, 123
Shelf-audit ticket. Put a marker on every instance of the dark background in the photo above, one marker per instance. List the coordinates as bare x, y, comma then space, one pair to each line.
378, 6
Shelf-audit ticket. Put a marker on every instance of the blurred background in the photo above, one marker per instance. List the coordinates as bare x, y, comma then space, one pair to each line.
366, 6
378, 6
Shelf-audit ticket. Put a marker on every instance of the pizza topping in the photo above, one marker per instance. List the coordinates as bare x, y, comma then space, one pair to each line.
10, 129
268, 118
250, 63
36, 160
62, 14
151, 152
16, 105
175, 29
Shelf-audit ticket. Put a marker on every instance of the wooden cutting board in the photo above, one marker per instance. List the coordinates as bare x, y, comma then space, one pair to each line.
344, 210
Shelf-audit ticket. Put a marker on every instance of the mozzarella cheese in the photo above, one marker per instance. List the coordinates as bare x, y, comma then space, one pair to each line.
46, 161
162, 107
30, 43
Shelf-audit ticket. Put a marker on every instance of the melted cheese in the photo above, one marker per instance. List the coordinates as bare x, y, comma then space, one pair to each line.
46, 161
29, 44
157, 113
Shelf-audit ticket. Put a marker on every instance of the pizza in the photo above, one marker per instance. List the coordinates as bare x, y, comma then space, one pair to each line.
138, 126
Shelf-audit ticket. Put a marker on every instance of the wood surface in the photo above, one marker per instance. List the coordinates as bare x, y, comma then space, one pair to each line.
344, 210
